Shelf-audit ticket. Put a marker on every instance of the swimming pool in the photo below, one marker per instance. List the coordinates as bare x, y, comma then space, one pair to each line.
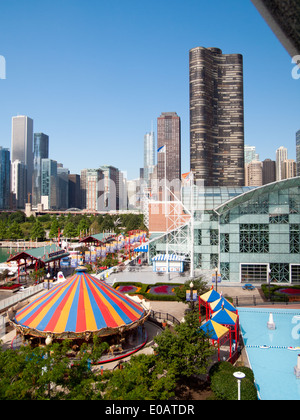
273, 367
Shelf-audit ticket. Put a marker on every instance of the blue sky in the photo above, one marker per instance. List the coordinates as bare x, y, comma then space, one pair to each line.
94, 74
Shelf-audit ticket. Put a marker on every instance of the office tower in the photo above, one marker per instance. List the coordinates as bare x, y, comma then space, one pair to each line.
216, 117
253, 174
93, 188
281, 156
250, 154
40, 151
4, 178
18, 184
49, 183
111, 191
298, 152
289, 169
74, 191
269, 171
169, 135
62, 187
149, 155
21, 145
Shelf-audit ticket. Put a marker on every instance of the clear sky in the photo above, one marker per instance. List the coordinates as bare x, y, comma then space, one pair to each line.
94, 74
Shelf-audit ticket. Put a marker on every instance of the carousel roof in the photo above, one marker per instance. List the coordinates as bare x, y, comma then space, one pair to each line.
80, 304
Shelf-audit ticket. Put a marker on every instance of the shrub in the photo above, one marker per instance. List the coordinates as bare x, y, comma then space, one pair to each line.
224, 385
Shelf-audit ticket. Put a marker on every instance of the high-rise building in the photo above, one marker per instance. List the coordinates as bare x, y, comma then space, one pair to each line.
63, 187
269, 171
74, 191
281, 156
169, 135
149, 155
298, 152
49, 183
250, 154
4, 178
18, 184
216, 117
289, 169
21, 145
94, 190
110, 188
253, 174
40, 151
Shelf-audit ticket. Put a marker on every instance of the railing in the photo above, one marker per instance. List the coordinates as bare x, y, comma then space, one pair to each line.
17, 297
254, 301
158, 316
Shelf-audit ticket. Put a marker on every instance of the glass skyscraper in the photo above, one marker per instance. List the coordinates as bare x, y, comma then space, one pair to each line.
49, 194
40, 151
149, 155
4, 178
21, 145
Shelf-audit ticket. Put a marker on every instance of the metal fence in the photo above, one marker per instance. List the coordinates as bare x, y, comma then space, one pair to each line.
254, 301
19, 296
162, 316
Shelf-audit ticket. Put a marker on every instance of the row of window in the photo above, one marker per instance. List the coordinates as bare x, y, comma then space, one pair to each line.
254, 238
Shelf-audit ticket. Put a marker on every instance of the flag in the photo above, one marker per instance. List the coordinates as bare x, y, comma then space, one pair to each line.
162, 149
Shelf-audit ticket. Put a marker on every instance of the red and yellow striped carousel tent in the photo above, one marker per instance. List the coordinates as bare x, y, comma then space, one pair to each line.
79, 308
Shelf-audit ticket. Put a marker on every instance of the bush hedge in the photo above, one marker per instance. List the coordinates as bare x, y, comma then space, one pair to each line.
224, 384
272, 292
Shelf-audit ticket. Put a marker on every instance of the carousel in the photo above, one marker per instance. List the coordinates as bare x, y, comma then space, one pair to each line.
79, 309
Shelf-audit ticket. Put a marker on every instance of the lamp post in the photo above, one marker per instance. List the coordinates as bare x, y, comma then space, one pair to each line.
216, 270
239, 376
48, 277
191, 294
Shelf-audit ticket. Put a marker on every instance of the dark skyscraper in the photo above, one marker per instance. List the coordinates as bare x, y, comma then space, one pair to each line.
169, 135
216, 117
40, 151
4, 178
269, 171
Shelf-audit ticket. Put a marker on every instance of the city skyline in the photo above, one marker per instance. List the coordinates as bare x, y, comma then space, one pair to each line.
70, 83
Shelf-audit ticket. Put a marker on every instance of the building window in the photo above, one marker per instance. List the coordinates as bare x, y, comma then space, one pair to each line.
295, 273
225, 271
214, 261
295, 239
276, 219
280, 273
198, 260
254, 238
251, 273
214, 237
198, 237
224, 239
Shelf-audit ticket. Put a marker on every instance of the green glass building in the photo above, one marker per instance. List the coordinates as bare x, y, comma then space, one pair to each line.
252, 235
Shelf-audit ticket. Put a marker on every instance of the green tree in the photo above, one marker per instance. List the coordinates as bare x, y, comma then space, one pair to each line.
54, 228
15, 231
70, 231
187, 351
3, 230
143, 378
37, 231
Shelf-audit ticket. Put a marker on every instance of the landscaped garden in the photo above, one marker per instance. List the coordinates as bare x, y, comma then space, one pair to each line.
281, 293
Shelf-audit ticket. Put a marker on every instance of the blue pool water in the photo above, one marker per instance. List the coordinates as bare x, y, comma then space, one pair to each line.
273, 367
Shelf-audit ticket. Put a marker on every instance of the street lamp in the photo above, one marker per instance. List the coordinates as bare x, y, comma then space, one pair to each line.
216, 270
191, 294
239, 376
48, 277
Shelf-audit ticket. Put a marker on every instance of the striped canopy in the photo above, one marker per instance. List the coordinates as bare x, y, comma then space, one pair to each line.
214, 330
224, 317
171, 257
80, 305
222, 303
210, 296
